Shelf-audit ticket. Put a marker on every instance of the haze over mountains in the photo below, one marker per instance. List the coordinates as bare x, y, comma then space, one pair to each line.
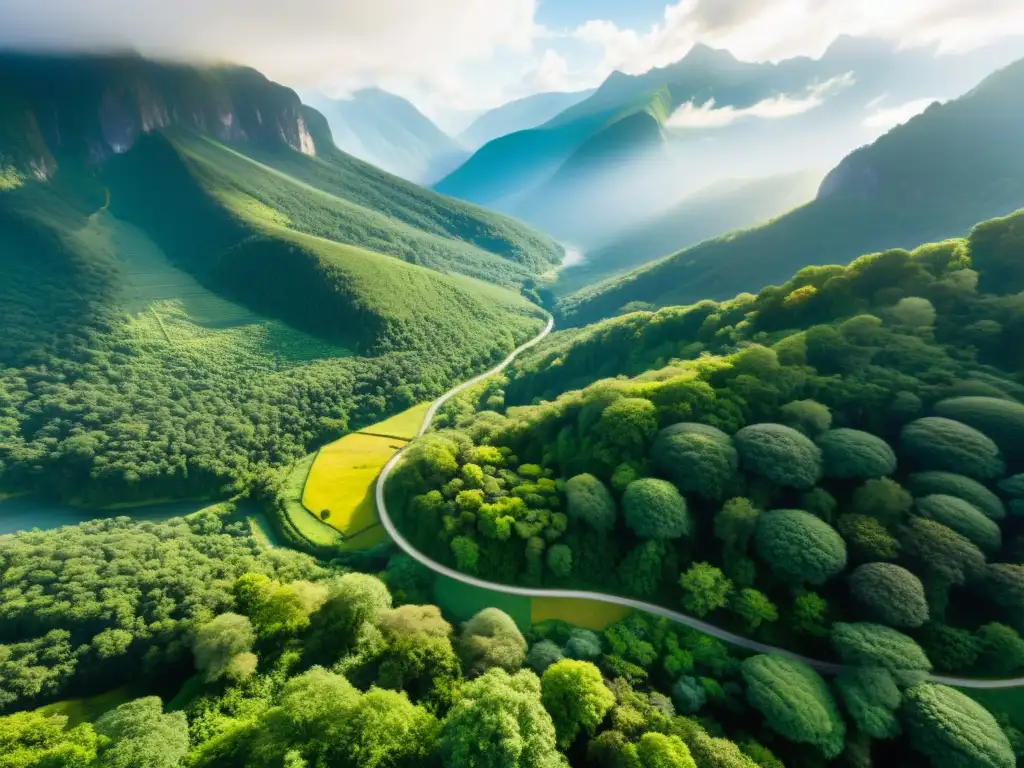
519, 115
641, 143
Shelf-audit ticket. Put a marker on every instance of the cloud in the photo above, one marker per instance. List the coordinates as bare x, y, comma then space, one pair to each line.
707, 115
337, 45
756, 31
884, 118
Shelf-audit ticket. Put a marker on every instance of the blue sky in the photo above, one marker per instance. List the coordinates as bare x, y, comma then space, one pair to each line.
569, 14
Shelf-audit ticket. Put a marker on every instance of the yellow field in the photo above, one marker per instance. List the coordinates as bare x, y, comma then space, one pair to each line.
589, 614
343, 476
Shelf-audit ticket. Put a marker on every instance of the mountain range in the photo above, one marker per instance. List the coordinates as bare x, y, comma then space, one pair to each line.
641, 142
931, 178
519, 115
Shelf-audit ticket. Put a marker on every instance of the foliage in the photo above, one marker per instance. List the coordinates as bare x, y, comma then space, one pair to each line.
780, 454
575, 695
795, 702
944, 444
952, 730
653, 509
850, 453
891, 594
220, 641
705, 589
874, 645
754, 608
543, 654
34, 739
809, 416
963, 518
998, 418
949, 484
698, 458
143, 736
660, 751
688, 695
491, 639
588, 500
799, 546
500, 721
872, 698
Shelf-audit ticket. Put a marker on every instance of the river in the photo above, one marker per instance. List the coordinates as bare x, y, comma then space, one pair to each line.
25, 513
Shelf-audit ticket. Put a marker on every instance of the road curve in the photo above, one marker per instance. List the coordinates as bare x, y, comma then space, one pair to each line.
508, 589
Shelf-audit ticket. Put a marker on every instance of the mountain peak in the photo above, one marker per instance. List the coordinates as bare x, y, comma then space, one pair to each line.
702, 53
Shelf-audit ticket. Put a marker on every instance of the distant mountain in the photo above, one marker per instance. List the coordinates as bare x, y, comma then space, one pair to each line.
612, 160
388, 131
715, 210
928, 179
519, 115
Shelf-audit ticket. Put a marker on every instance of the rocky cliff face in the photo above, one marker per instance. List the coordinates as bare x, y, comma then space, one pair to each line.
59, 108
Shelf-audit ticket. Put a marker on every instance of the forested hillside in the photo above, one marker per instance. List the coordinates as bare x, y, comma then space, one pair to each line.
931, 178
179, 316
832, 466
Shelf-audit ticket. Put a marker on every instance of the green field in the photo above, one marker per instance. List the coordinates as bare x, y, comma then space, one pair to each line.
89, 709
462, 601
1009, 701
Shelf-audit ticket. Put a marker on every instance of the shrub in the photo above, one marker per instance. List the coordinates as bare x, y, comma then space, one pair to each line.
891, 593
653, 509
574, 694
953, 730
795, 702
850, 453
808, 416
688, 695
944, 444
883, 499
583, 644
1001, 420
798, 546
696, 457
542, 655
491, 639
588, 500
914, 311
780, 454
963, 518
867, 538
871, 697
950, 484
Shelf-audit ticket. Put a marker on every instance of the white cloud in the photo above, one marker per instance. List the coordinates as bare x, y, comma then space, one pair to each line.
337, 45
707, 115
755, 30
884, 118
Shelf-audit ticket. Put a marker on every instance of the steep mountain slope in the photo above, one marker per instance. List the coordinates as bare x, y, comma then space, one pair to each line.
389, 132
179, 315
928, 179
716, 118
720, 208
519, 115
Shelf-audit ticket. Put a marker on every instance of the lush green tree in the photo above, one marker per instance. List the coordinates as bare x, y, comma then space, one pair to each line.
950, 649
780, 454
871, 698
543, 654
31, 739
998, 418
588, 500
625, 429
891, 594
810, 614
736, 522
500, 721
576, 697
640, 573
218, 641
914, 312
760, 754
705, 589
384, 729
883, 499
1004, 585
688, 695
954, 731
753, 607
819, 503
808, 416
794, 701
962, 517
142, 736
944, 444
610, 749
942, 556
867, 538
799, 546
467, 554
657, 750
653, 509
352, 599
864, 644
583, 644
949, 484
560, 561
1012, 486
852, 454
698, 458
1001, 649
491, 639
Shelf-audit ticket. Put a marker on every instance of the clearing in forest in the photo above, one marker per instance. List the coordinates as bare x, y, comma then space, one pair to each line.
341, 481
589, 614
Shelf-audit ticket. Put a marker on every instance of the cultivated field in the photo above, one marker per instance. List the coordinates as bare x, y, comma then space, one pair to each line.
589, 614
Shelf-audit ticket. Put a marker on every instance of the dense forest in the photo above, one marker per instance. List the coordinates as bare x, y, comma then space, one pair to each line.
292, 663
832, 466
